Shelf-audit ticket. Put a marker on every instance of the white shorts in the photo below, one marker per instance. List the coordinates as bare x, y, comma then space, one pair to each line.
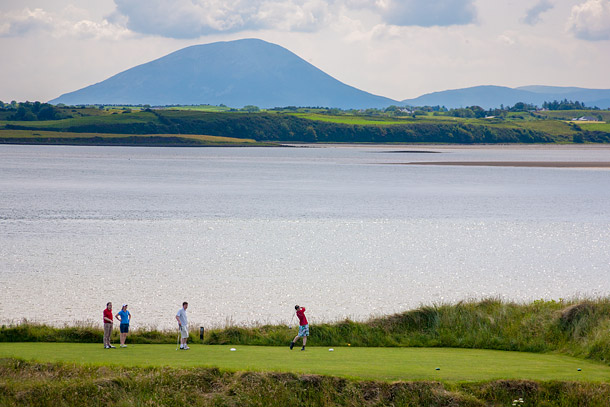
184, 333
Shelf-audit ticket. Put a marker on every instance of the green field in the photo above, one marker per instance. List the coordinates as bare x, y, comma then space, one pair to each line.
592, 126
571, 114
350, 119
385, 364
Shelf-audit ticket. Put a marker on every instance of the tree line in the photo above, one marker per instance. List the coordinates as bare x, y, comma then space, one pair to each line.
31, 111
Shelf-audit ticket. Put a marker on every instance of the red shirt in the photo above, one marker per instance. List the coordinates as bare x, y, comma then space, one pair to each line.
301, 315
107, 314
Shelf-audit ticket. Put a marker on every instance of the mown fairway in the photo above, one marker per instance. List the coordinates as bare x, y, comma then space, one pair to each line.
387, 364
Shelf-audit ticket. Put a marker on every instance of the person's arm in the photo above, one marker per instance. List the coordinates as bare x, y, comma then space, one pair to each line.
117, 316
129, 315
178, 319
106, 319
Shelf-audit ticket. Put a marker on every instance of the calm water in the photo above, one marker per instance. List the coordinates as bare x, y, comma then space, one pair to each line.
243, 234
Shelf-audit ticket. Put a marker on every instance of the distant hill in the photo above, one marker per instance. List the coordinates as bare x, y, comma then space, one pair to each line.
234, 73
493, 96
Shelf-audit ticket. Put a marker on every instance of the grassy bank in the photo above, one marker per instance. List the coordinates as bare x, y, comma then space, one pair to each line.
102, 139
576, 328
52, 384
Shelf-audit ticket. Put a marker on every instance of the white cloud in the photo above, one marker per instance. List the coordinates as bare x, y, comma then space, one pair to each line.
194, 18
533, 15
31, 22
591, 20
291, 16
506, 39
427, 13
16, 24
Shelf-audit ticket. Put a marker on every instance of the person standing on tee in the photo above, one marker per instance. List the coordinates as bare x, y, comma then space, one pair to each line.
183, 325
108, 326
303, 327
124, 316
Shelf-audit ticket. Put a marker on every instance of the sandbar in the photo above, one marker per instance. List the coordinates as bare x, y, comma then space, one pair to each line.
541, 164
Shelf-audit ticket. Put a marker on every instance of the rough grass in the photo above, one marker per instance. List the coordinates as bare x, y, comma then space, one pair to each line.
34, 384
578, 328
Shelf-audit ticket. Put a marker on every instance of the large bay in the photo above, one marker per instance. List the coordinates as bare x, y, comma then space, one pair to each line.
244, 234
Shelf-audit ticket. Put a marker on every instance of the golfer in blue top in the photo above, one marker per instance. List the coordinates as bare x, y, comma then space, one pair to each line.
124, 316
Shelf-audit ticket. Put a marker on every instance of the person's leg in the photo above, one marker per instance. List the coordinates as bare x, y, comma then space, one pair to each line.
296, 338
305, 334
184, 337
107, 331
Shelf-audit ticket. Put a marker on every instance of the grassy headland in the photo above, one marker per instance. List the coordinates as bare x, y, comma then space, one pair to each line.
306, 125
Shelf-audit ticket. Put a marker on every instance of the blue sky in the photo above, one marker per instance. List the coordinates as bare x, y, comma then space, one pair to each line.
395, 48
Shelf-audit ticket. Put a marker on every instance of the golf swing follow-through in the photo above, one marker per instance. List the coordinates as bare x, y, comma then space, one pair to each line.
303, 327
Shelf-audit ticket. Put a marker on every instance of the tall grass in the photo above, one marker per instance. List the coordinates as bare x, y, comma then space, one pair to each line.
579, 328
34, 384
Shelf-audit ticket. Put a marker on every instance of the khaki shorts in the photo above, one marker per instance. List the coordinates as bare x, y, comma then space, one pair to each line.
184, 333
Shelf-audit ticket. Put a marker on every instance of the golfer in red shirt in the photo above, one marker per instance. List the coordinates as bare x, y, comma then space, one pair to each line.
303, 327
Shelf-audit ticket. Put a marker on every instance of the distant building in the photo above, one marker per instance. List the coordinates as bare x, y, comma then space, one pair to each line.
585, 119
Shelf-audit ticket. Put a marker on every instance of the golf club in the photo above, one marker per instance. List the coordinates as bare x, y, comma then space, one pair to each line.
178, 341
292, 319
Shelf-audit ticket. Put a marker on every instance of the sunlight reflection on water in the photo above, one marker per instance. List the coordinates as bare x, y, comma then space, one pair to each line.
245, 234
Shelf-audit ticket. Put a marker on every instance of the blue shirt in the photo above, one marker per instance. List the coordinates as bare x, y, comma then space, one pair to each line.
124, 317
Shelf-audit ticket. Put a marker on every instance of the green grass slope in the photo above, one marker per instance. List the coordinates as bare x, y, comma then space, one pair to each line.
384, 364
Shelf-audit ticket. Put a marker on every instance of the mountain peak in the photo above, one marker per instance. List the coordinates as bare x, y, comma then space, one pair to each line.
489, 96
235, 73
